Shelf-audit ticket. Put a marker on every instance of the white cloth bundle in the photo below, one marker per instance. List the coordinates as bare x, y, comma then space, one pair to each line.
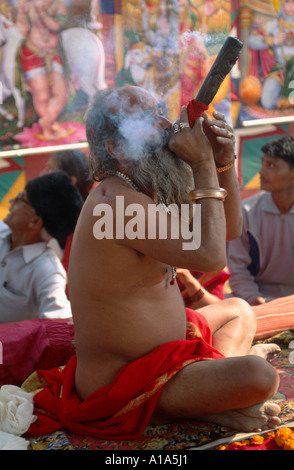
16, 416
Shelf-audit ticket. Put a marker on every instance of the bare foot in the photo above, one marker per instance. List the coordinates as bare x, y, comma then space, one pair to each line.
256, 418
265, 351
52, 131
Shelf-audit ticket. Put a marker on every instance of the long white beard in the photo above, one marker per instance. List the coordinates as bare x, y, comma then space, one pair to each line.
164, 176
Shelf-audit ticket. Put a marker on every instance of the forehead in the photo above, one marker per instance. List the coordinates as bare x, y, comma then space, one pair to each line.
130, 99
279, 162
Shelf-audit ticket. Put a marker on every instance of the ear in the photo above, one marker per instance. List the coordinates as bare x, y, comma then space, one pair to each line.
115, 150
74, 180
111, 148
36, 223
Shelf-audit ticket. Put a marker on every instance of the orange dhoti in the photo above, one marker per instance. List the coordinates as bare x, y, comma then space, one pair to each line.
123, 409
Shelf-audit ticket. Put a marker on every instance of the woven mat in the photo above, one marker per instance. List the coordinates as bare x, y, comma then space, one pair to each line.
188, 434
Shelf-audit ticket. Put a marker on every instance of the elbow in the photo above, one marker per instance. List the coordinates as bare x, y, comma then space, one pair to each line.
213, 265
234, 231
233, 234
214, 260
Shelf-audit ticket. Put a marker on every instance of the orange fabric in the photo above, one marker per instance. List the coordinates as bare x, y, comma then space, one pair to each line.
274, 317
122, 409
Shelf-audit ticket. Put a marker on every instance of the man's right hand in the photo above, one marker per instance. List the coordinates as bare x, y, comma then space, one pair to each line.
190, 144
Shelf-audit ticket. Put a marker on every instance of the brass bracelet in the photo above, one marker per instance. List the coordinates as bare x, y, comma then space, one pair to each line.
226, 167
214, 193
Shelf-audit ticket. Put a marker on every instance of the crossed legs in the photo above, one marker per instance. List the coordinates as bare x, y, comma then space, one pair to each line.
232, 391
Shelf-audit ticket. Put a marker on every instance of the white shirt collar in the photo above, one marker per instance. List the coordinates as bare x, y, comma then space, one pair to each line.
31, 251
270, 206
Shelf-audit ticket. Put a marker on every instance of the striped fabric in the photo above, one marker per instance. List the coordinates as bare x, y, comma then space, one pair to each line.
274, 316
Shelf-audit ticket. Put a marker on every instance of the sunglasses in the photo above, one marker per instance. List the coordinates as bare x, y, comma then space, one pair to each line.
21, 197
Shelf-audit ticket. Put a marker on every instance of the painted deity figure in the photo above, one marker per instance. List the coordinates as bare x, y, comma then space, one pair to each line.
277, 36
41, 60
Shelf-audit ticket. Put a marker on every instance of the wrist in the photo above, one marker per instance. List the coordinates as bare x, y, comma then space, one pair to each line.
206, 164
198, 295
220, 168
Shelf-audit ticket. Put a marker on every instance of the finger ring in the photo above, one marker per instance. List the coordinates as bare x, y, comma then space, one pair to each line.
230, 135
184, 124
176, 128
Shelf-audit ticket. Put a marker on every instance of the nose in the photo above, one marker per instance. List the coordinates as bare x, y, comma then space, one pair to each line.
165, 123
262, 169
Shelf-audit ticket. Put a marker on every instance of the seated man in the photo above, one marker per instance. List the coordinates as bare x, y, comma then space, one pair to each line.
32, 279
141, 357
261, 260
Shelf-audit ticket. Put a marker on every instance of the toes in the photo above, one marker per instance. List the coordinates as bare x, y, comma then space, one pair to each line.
275, 421
272, 409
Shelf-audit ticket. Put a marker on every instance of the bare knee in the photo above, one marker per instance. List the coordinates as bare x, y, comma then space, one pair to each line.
240, 306
261, 378
242, 309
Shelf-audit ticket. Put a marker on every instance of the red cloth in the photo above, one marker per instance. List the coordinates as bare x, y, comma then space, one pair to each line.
30, 60
195, 110
122, 409
66, 252
212, 282
33, 344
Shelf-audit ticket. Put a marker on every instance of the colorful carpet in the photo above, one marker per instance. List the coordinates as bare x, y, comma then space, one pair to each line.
192, 435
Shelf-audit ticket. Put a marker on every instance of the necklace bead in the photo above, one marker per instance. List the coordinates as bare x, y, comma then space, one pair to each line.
127, 180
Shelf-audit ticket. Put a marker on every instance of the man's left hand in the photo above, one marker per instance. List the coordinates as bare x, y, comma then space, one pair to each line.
221, 137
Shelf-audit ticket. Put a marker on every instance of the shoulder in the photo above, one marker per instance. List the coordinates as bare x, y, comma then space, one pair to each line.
4, 229
255, 201
47, 264
116, 194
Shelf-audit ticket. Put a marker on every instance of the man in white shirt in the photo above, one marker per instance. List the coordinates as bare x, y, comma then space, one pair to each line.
261, 260
32, 278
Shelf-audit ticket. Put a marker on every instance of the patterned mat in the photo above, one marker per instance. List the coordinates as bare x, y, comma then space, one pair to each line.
188, 434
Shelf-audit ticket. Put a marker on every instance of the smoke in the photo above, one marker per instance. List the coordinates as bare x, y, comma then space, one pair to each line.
139, 125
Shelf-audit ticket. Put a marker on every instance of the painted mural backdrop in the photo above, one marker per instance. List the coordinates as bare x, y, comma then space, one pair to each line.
267, 67
262, 88
170, 45
52, 61
266, 28
54, 54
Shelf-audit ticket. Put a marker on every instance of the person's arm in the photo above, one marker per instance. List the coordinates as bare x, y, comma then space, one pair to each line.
52, 22
22, 21
50, 292
242, 282
194, 294
192, 146
219, 132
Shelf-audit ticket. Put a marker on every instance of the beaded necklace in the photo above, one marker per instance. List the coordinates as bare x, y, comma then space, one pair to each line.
127, 180
135, 188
